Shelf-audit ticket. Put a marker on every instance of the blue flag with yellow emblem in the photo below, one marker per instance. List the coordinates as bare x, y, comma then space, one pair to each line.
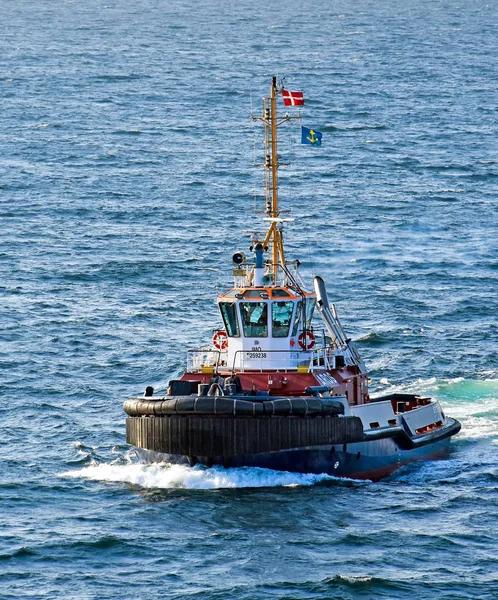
311, 136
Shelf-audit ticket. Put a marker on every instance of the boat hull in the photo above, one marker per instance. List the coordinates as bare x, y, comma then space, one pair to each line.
369, 460
303, 435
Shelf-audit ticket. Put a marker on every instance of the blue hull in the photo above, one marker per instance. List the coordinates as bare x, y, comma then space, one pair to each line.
372, 460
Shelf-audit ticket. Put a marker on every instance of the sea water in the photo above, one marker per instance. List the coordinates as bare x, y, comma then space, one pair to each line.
126, 184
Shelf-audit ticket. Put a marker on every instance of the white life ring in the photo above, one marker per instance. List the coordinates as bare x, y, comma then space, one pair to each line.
220, 340
310, 340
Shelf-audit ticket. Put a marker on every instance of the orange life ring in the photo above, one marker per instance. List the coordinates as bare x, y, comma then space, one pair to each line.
220, 340
310, 340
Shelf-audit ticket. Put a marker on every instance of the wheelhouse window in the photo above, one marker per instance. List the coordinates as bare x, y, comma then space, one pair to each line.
252, 294
254, 319
281, 317
310, 307
231, 293
297, 316
279, 293
229, 316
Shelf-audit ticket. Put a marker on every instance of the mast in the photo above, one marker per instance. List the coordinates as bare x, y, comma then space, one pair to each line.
277, 240
271, 123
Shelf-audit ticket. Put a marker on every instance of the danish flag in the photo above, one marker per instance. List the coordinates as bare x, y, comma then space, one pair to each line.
293, 98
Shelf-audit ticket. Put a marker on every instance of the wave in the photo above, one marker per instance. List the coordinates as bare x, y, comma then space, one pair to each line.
375, 338
170, 476
22, 552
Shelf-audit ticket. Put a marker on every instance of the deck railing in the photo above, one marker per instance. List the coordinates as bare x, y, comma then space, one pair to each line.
281, 360
243, 360
205, 357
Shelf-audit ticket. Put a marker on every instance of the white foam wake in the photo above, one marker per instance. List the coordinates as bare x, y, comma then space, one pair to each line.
170, 476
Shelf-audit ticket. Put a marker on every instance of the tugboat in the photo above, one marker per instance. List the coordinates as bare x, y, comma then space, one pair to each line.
275, 391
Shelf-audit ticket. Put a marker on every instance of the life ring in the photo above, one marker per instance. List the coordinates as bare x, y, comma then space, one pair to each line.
220, 340
310, 340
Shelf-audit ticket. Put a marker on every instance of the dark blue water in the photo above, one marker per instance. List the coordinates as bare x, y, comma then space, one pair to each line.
126, 185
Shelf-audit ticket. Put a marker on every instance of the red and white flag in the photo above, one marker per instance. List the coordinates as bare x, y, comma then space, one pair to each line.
293, 98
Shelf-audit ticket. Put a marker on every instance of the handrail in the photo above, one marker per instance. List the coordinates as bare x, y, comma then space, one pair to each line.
191, 352
209, 356
320, 353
